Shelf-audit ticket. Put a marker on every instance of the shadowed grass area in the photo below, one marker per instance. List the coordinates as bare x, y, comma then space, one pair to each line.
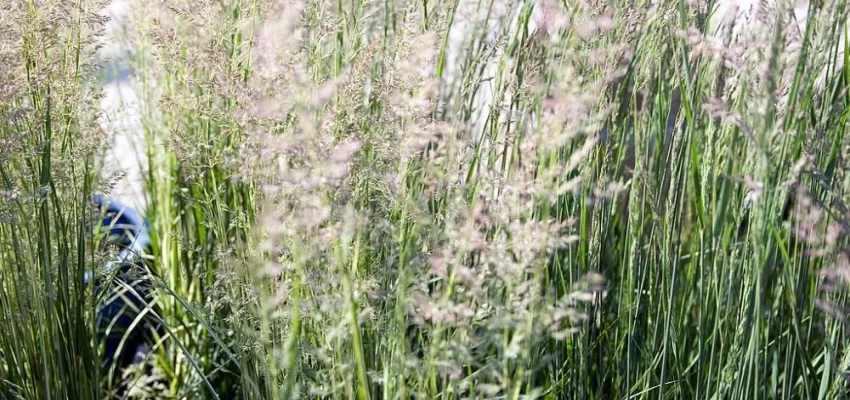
447, 200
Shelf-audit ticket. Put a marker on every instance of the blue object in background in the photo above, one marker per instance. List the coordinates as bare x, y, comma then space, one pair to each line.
128, 287
125, 224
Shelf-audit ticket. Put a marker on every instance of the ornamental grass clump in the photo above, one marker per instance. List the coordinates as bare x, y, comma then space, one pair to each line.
533, 199
50, 139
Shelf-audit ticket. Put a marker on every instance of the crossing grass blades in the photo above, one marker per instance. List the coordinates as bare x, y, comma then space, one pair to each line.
127, 314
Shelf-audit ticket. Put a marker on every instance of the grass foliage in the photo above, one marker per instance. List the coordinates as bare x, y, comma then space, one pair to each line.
447, 199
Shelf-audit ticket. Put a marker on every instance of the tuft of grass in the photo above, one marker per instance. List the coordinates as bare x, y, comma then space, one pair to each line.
449, 199
50, 139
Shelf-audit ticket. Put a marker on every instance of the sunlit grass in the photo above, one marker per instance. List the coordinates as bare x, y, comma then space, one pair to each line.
347, 201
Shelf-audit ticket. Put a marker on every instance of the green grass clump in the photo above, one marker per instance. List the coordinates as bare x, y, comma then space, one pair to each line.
446, 200
49, 139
